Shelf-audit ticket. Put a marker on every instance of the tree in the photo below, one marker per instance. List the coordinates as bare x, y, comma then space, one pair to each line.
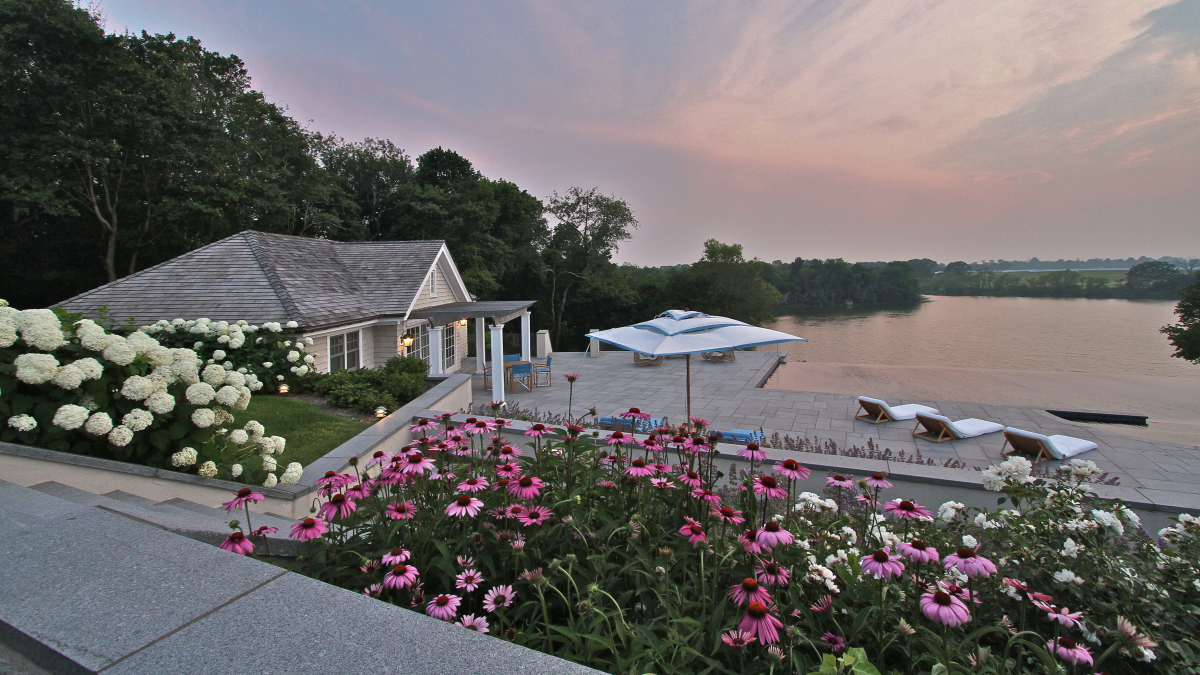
1185, 335
1155, 277
590, 227
373, 174
957, 268
724, 283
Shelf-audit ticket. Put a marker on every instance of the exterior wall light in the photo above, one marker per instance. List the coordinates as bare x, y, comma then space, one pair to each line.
408, 340
462, 322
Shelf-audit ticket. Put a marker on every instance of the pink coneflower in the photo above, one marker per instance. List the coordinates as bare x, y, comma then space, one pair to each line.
359, 490
961, 592
373, 591
691, 479
1022, 587
752, 452
238, 543
728, 515
515, 511
749, 590
403, 511
868, 500
243, 496
443, 607
882, 565
619, 438
465, 505
472, 622
525, 487
771, 574
1130, 633
738, 639
918, 551
264, 531
571, 378
707, 495
500, 596
1070, 651
699, 422
760, 623
473, 484
334, 479
1061, 615
395, 556
772, 535
518, 543
536, 515
839, 481
537, 431
769, 487
449, 431
749, 541
400, 576
836, 643
941, 607
442, 475
651, 443
607, 484
422, 425
638, 469
636, 413
338, 506
662, 483
508, 453
878, 481
693, 532
906, 510
479, 427
370, 567
969, 562
379, 458
468, 580
790, 468
309, 528
509, 470
416, 463
822, 606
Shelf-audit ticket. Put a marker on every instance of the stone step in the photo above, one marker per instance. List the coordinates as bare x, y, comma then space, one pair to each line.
256, 519
201, 527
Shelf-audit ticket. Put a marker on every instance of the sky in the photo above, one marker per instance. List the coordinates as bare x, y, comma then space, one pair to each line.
864, 130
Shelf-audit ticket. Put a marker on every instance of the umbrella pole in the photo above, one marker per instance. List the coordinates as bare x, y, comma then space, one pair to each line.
688, 421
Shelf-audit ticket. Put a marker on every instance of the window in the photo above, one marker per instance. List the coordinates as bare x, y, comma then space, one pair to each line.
448, 343
420, 346
343, 351
433, 283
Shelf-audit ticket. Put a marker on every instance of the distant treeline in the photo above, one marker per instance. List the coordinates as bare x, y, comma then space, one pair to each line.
1150, 279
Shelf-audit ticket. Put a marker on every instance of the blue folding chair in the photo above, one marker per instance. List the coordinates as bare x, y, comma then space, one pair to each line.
539, 370
509, 358
523, 373
741, 436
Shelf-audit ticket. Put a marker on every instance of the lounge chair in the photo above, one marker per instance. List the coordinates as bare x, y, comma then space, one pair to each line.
1043, 447
720, 357
741, 436
878, 412
647, 360
939, 428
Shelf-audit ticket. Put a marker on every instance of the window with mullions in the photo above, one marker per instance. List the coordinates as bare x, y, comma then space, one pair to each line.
343, 351
420, 346
448, 346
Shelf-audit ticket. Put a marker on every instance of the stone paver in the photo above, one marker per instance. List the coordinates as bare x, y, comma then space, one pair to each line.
728, 396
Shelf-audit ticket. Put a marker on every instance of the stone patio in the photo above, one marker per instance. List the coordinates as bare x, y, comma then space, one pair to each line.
731, 396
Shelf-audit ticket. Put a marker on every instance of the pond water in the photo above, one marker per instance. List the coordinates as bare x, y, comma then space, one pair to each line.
1051, 334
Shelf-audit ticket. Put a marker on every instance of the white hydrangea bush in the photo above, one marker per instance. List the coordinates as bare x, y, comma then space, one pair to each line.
71, 385
266, 355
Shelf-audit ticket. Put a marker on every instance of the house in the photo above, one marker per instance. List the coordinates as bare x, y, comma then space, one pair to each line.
361, 302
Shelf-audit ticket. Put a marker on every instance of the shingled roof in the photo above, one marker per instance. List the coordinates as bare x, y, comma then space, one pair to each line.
264, 277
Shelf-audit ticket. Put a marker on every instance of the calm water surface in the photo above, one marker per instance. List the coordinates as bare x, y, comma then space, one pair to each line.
1076, 335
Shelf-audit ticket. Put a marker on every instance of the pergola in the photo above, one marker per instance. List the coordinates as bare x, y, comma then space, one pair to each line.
500, 312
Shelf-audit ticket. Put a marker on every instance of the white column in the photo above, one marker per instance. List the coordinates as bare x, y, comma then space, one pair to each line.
480, 346
543, 344
525, 337
498, 363
437, 350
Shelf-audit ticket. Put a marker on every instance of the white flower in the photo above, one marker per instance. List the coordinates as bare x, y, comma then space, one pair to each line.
239, 437
35, 317
1070, 548
119, 351
36, 368
291, 474
185, 457
851, 535
91, 368
88, 402
243, 399
267, 365
120, 435
69, 377
309, 359
969, 541
1109, 520
208, 469
142, 343
214, 375
302, 371
279, 377
268, 463
1129, 516
271, 481
160, 356
280, 444
227, 395
1067, 577
137, 388
44, 336
200, 393
273, 326
235, 379
293, 356
292, 324
235, 470
203, 418
949, 510
220, 353
1081, 468
98, 424
91, 336
8, 331
137, 419
160, 403
993, 478
22, 423
255, 430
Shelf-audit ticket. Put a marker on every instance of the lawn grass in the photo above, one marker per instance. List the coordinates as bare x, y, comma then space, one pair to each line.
310, 431
1115, 277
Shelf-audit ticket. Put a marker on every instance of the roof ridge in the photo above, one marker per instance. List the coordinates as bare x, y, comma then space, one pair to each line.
336, 242
268, 268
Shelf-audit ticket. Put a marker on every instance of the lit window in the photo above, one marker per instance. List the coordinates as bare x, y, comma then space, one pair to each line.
343, 351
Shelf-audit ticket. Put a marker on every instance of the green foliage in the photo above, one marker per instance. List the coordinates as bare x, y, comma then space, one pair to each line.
1153, 279
311, 432
398, 381
272, 353
723, 283
1185, 335
830, 283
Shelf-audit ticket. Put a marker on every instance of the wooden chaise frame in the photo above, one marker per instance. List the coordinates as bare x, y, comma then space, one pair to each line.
646, 360
944, 433
875, 413
1024, 445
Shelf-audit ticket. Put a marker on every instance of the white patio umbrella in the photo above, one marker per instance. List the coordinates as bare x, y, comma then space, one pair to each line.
677, 332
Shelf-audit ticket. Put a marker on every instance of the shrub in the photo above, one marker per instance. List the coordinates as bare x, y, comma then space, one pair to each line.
611, 557
398, 381
74, 387
271, 352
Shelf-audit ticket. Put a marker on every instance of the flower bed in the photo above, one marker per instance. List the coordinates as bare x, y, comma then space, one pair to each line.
635, 555
73, 386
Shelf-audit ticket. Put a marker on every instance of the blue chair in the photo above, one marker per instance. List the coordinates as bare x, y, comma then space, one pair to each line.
509, 358
618, 423
523, 373
539, 370
646, 426
741, 436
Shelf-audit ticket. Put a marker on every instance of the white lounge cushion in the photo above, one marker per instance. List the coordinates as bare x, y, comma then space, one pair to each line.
968, 428
901, 412
1059, 446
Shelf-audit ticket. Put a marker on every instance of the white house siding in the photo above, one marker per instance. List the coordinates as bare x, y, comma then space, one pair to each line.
320, 351
444, 294
384, 344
